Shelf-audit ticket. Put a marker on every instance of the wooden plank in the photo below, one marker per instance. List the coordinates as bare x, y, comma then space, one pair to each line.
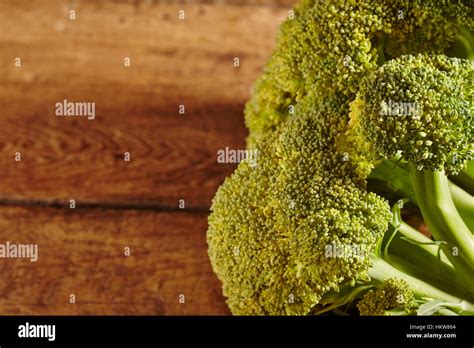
173, 62
81, 252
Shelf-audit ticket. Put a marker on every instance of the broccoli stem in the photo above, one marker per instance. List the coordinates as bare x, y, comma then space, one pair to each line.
382, 271
444, 221
396, 176
421, 258
464, 202
398, 180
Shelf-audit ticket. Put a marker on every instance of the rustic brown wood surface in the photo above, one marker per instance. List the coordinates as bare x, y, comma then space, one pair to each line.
174, 62
83, 253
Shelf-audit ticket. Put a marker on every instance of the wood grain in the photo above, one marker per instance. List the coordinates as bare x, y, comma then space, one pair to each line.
173, 62
81, 252
118, 204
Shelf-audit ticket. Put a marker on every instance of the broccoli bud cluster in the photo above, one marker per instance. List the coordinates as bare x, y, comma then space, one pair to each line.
420, 107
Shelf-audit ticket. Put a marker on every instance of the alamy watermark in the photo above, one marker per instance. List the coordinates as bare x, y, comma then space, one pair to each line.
67, 108
345, 251
237, 156
400, 109
19, 251
28, 330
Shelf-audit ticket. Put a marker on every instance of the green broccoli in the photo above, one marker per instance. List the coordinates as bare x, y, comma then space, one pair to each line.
329, 46
310, 228
394, 295
272, 224
434, 138
418, 106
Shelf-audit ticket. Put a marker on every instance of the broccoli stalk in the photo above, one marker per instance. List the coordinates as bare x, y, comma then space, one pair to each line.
464, 203
445, 223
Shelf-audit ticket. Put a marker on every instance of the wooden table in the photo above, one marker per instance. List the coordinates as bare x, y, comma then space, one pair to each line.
120, 204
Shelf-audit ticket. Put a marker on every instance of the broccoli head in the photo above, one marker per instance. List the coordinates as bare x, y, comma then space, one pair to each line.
419, 107
285, 232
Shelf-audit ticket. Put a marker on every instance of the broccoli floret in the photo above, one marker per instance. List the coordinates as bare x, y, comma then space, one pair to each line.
418, 107
395, 294
277, 228
310, 228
